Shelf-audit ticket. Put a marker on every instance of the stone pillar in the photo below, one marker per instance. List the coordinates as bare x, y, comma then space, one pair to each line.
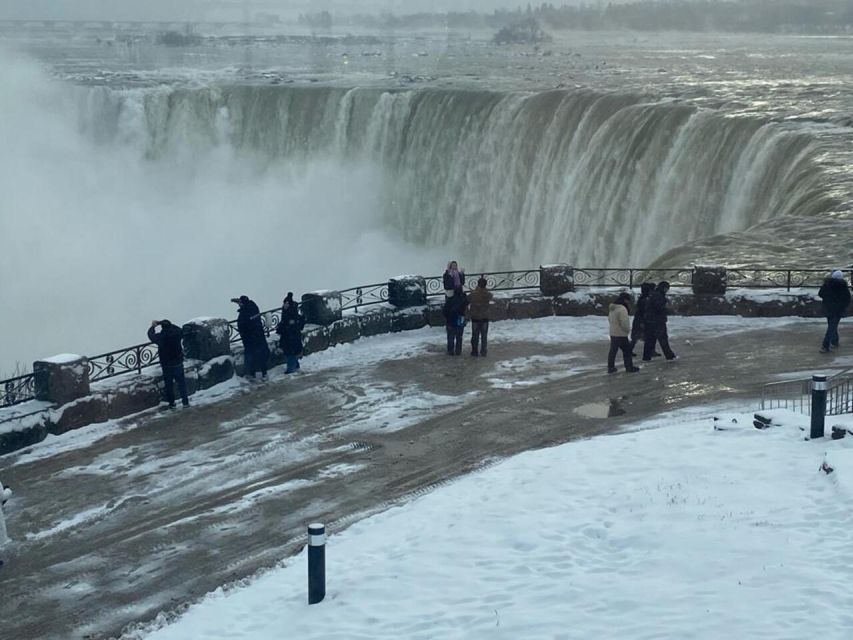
407, 291
322, 307
556, 279
62, 378
207, 338
709, 280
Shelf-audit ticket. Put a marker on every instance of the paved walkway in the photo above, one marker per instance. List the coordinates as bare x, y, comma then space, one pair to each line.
168, 507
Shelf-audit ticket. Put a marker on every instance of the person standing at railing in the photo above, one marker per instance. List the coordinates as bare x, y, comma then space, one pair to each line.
171, 353
452, 279
835, 294
655, 320
256, 351
290, 329
478, 310
454, 315
620, 327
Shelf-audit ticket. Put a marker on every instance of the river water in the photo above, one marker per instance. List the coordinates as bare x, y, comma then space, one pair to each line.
144, 181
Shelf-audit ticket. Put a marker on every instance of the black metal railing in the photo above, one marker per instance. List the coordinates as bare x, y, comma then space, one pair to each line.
363, 296
795, 395
138, 357
17, 390
776, 278
116, 363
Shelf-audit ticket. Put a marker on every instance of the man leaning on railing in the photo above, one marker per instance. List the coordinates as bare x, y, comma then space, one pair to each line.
171, 353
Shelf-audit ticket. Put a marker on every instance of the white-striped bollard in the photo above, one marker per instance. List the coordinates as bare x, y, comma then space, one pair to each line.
818, 406
4, 496
316, 563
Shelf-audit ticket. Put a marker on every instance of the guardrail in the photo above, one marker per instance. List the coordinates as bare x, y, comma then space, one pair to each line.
795, 395
138, 357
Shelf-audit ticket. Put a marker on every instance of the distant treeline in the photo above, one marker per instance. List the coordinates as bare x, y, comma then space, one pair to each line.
772, 16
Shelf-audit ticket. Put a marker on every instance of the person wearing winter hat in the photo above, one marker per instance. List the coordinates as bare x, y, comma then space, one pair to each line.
620, 327
171, 354
256, 351
290, 329
835, 294
655, 322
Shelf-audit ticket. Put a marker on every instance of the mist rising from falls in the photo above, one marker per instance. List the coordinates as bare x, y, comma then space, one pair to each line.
98, 237
506, 179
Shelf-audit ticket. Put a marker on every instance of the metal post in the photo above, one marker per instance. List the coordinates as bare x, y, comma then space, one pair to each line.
316, 563
4, 495
818, 406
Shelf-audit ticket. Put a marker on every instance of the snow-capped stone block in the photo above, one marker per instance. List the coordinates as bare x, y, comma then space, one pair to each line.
407, 291
322, 307
61, 379
556, 279
709, 280
207, 338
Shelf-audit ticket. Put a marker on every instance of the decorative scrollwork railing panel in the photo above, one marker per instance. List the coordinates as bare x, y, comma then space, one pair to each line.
17, 390
352, 299
775, 278
115, 363
495, 281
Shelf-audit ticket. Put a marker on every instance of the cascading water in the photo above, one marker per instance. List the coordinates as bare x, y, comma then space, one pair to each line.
506, 179
178, 198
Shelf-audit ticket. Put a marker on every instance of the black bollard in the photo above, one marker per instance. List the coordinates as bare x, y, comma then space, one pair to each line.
818, 406
316, 563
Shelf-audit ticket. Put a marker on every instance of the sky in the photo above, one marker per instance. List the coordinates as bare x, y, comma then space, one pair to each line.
184, 9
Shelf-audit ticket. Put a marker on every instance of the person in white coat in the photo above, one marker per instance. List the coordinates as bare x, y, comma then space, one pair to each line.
620, 329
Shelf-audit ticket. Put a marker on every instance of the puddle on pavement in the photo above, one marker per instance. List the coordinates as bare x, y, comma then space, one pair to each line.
609, 409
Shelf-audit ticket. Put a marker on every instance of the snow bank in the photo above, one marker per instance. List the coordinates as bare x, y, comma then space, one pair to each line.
680, 531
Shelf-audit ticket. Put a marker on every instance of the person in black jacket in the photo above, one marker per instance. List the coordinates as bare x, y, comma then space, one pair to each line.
454, 315
256, 351
290, 329
655, 319
836, 298
171, 353
637, 327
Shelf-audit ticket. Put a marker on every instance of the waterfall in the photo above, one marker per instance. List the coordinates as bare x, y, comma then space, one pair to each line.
506, 179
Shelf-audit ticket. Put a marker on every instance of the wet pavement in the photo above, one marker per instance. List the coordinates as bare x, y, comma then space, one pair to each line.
111, 530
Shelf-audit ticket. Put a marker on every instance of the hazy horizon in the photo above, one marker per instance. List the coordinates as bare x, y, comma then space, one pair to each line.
210, 9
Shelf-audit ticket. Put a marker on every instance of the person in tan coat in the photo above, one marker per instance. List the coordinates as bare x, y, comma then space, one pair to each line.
478, 311
620, 329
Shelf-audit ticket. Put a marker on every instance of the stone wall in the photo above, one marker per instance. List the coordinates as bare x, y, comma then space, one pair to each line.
120, 397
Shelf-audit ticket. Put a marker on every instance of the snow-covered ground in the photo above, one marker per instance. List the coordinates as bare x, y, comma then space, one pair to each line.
672, 529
